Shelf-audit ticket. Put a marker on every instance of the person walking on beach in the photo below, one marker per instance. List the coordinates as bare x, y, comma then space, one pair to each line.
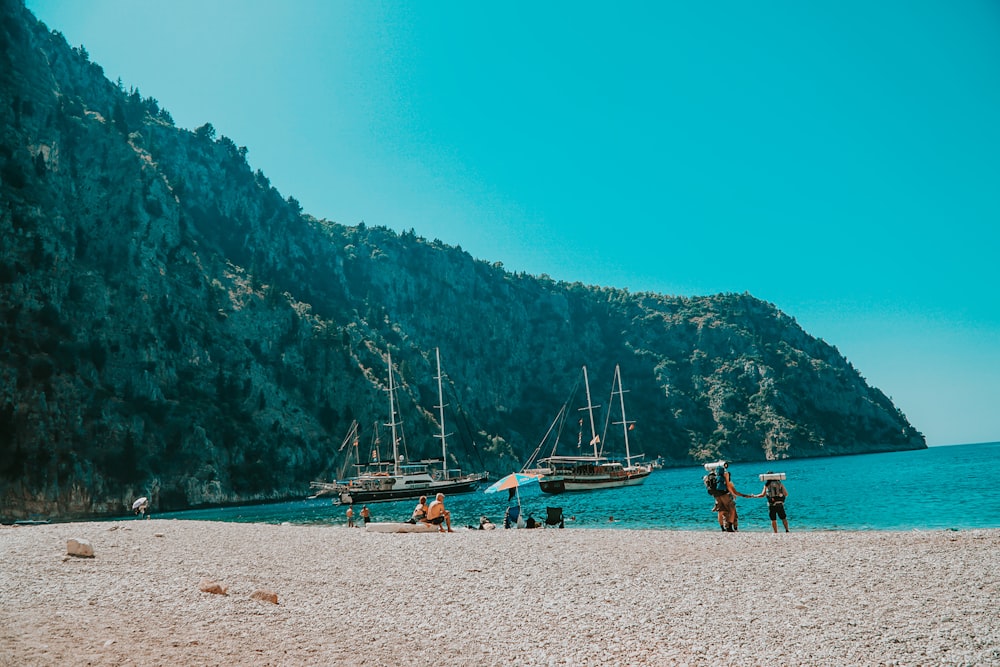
350, 516
438, 515
775, 492
725, 501
366, 514
140, 506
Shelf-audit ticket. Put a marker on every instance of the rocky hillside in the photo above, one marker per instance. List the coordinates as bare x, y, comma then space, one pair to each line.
174, 327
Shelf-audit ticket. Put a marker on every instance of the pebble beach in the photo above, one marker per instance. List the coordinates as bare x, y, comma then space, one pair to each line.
504, 597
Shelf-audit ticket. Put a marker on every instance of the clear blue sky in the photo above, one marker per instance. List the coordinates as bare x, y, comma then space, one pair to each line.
840, 160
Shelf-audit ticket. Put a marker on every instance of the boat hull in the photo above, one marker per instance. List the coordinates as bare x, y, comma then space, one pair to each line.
566, 483
354, 495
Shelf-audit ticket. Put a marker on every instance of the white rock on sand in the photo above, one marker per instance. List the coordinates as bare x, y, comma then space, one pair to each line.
525, 597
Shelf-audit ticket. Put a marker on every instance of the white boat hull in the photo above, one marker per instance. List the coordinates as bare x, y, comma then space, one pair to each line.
568, 482
586, 485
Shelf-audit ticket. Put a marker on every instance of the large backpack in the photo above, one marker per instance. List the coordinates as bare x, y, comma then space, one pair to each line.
773, 492
715, 482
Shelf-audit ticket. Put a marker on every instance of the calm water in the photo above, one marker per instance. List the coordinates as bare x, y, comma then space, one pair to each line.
937, 488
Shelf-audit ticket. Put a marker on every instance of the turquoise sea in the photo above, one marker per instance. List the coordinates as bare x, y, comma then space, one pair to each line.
936, 488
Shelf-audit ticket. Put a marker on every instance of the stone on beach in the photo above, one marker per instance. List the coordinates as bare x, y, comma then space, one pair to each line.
209, 586
536, 598
265, 596
79, 547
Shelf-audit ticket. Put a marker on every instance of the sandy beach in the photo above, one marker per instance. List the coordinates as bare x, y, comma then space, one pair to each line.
528, 597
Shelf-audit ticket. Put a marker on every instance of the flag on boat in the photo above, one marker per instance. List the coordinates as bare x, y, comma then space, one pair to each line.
511, 481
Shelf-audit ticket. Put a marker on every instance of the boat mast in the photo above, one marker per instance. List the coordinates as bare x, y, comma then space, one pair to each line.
624, 422
594, 440
440, 407
350, 439
392, 420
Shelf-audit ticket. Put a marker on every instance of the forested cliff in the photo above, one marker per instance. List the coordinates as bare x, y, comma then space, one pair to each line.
175, 327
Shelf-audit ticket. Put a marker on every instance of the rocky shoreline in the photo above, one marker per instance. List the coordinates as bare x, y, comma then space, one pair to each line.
539, 597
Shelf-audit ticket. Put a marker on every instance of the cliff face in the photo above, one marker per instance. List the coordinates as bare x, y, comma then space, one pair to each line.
174, 327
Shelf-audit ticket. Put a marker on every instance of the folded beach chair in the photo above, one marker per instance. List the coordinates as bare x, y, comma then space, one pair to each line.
554, 517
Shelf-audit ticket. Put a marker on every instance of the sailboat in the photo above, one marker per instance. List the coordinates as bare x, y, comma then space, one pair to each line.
392, 479
584, 473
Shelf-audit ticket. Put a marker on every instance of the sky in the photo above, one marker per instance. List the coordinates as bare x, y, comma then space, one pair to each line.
839, 160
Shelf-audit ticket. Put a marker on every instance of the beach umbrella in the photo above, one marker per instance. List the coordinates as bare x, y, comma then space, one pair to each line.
511, 481
141, 501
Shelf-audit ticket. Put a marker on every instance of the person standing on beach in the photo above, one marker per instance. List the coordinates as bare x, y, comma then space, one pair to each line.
725, 501
366, 514
438, 515
350, 516
775, 492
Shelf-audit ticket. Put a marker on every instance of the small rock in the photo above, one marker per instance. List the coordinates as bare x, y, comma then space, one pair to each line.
79, 548
209, 586
265, 596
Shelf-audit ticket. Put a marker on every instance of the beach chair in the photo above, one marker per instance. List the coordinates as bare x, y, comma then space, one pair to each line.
554, 517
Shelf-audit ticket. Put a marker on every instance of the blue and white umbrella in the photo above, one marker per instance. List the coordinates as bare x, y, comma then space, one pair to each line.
511, 481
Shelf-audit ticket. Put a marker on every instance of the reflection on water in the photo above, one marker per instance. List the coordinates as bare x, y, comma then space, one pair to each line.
937, 488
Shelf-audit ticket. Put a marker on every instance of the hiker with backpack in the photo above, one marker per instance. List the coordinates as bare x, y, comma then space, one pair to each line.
720, 487
775, 492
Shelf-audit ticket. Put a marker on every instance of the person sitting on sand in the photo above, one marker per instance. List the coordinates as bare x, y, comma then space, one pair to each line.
775, 492
438, 515
419, 512
486, 524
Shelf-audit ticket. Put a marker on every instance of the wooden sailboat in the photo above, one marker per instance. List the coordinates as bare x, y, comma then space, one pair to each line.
392, 479
585, 473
